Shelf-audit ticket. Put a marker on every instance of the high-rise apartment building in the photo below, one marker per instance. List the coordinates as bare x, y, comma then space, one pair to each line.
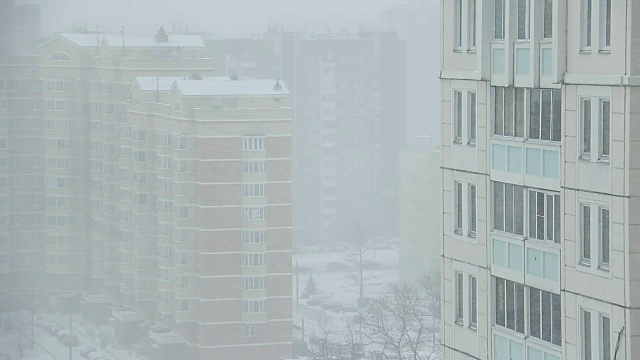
540, 192
205, 194
348, 91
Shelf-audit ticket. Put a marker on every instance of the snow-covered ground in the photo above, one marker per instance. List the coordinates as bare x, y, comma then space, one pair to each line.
47, 346
333, 273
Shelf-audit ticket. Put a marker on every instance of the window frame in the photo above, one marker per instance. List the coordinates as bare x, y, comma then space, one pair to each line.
526, 36
472, 31
586, 25
499, 32
457, 25
596, 242
605, 26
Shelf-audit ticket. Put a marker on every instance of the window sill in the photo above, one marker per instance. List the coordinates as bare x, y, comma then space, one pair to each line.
585, 52
471, 50
605, 51
458, 51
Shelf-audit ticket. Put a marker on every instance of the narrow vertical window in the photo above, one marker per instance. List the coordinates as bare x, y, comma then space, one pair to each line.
519, 112
508, 111
457, 98
523, 19
458, 206
586, 235
498, 110
500, 305
545, 119
457, 23
556, 115
472, 24
472, 117
473, 301
472, 210
548, 19
586, 23
605, 345
586, 335
498, 32
534, 313
604, 239
605, 128
459, 298
586, 128
606, 24
534, 114
498, 206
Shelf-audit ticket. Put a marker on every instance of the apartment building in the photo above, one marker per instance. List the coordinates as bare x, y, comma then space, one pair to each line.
350, 110
539, 106
206, 173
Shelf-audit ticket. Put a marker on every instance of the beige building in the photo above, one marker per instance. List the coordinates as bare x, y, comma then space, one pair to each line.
208, 166
540, 199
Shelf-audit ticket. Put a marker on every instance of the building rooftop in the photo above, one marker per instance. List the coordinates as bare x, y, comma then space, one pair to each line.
219, 86
145, 41
153, 83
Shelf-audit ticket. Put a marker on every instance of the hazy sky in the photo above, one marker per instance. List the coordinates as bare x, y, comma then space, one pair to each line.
221, 17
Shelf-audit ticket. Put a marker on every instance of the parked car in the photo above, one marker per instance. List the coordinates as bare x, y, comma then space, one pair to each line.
85, 352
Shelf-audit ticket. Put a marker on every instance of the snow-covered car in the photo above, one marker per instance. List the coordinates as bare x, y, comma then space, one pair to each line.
84, 352
317, 300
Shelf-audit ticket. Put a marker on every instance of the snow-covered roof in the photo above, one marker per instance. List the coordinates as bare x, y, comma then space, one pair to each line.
228, 87
182, 40
82, 40
152, 83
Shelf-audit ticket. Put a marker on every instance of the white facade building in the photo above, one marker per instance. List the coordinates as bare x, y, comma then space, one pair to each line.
540, 179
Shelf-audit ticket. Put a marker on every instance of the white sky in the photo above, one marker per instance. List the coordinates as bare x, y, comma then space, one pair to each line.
222, 17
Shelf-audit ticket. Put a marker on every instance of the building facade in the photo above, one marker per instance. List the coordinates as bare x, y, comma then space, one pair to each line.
208, 172
540, 179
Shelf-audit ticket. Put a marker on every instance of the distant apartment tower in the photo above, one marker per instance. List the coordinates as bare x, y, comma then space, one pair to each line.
540, 179
208, 204
348, 91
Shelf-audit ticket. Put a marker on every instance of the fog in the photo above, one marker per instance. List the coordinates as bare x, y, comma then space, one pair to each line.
229, 180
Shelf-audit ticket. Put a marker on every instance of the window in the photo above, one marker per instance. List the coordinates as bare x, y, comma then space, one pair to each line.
466, 297
58, 56
595, 240
457, 21
459, 298
472, 24
183, 212
472, 210
255, 213
586, 24
595, 129
548, 19
605, 129
472, 117
544, 316
605, 27
595, 335
249, 330
509, 305
499, 12
523, 19
253, 306
457, 125
252, 260
253, 283
253, 167
544, 216
253, 236
254, 143
545, 114
473, 300
508, 208
586, 128
253, 190
458, 207
508, 111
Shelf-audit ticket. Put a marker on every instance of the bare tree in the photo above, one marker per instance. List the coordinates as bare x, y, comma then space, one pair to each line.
357, 256
429, 284
399, 324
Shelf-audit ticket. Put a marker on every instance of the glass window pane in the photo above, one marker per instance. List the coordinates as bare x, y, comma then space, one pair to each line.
498, 205
499, 20
586, 232
548, 19
458, 115
606, 338
534, 312
472, 23
459, 298
549, 218
556, 329
556, 219
499, 110
518, 210
586, 335
511, 307
500, 302
473, 293
545, 124
587, 22
508, 111
605, 128
607, 23
532, 214
556, 115
540, 217
519, 112
604, 237
546, 316
472, 208
586, 127
520, 308
508, 211
472, 117
534, 114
